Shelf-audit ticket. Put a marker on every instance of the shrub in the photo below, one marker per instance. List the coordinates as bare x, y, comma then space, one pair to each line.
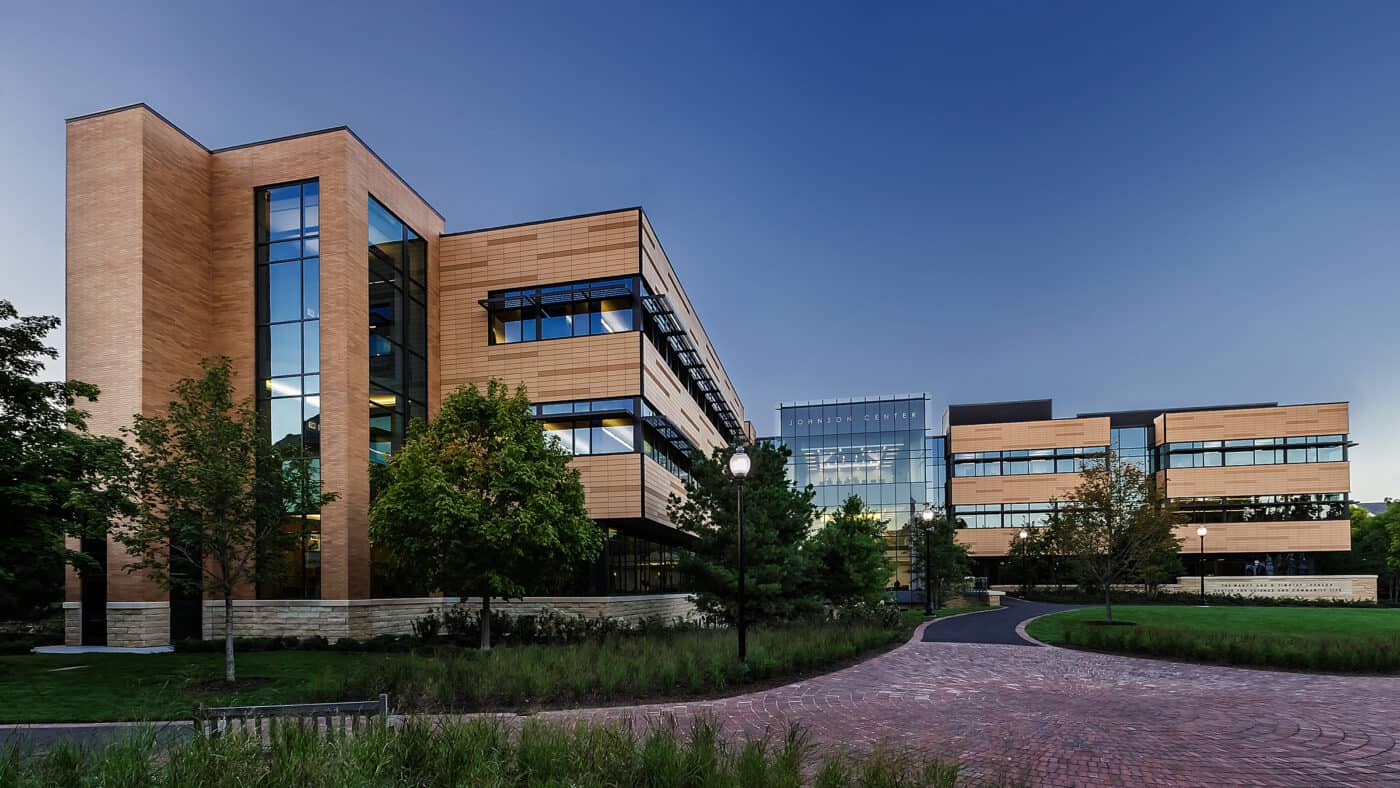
478, 752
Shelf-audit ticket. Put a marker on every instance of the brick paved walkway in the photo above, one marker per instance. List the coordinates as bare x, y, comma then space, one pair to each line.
1049, 716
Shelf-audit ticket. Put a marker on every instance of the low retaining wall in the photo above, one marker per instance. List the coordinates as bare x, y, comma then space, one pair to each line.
1348, 588
148, 623
1352, 588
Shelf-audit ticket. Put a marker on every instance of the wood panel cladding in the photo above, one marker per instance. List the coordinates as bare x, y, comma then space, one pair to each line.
612, 485
1013, 489
1289, 537
1276, 422
661, 277
1012, 436
1312, 477
661, 484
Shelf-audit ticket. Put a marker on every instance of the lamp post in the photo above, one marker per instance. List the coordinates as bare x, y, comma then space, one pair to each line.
739, 463
1025, 583
927, 516
1201, 532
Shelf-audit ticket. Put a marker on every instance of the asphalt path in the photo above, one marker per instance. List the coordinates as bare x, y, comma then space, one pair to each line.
997, 627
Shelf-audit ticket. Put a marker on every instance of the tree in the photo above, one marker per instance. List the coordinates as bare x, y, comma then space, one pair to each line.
846, 558
1031, 559
948, 558
480, 501
213, 494
56, 479
1115, 523
777, 520
1375, 546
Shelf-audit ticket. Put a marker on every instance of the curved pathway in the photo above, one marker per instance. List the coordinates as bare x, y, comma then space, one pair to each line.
1050, 716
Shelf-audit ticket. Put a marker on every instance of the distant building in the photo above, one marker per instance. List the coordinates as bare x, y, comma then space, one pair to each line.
1269, 482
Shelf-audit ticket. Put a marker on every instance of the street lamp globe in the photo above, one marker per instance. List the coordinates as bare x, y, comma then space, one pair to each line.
927, 515
739, 463
1025, 534
1201, 531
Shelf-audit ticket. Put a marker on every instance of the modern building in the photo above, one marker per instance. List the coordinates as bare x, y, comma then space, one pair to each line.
1270, 482
348, 310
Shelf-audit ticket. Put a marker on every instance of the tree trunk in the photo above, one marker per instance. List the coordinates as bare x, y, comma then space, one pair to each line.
1107, 603
228, 636
486, 622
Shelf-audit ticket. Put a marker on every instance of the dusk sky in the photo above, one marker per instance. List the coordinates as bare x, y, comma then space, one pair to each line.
1117, 205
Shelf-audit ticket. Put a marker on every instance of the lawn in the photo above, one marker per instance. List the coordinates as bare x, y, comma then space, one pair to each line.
620, 669
1307, 638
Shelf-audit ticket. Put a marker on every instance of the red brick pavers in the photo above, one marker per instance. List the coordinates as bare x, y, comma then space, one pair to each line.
1054, 717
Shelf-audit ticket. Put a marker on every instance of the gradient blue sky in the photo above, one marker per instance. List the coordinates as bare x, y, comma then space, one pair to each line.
1118, 205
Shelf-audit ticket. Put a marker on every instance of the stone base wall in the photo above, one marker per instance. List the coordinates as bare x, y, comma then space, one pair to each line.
72, 624
138, 624
278, 618
366, 618
132, 624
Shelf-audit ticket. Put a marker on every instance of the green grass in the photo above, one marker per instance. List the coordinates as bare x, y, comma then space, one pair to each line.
107, 687
1353, 640
478, 753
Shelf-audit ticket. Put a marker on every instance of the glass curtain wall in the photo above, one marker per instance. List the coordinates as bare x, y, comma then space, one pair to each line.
288, 278
879, 450
398, 330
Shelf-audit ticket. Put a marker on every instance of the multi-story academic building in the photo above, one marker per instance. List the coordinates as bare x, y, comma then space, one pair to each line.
348, 310
1270, 482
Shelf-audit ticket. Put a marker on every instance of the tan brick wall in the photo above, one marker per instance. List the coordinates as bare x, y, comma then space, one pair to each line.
1287, 420
1308, 477
1038, 487
1013, 436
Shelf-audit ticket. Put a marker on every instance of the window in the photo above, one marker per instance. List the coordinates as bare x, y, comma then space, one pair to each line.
1265, 508
398, 330
1253, 451
1004, 515
576, 309
1022, 462
287, 279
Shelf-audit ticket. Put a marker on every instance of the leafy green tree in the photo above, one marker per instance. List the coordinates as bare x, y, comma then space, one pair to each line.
777, 521
948, 558
1031, 558
846, 557
56, 479
1375, 547
1115, 523
214, 494
480, 502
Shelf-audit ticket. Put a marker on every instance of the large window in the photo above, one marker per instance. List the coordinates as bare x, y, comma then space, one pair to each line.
637, 565
1022, 462
1253, 451
576, 309
1265, 508
1003, 515
612, 426
602, 426
398, 330
287, 273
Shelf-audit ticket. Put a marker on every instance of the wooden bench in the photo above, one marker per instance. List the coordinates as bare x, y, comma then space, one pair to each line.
332, 719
